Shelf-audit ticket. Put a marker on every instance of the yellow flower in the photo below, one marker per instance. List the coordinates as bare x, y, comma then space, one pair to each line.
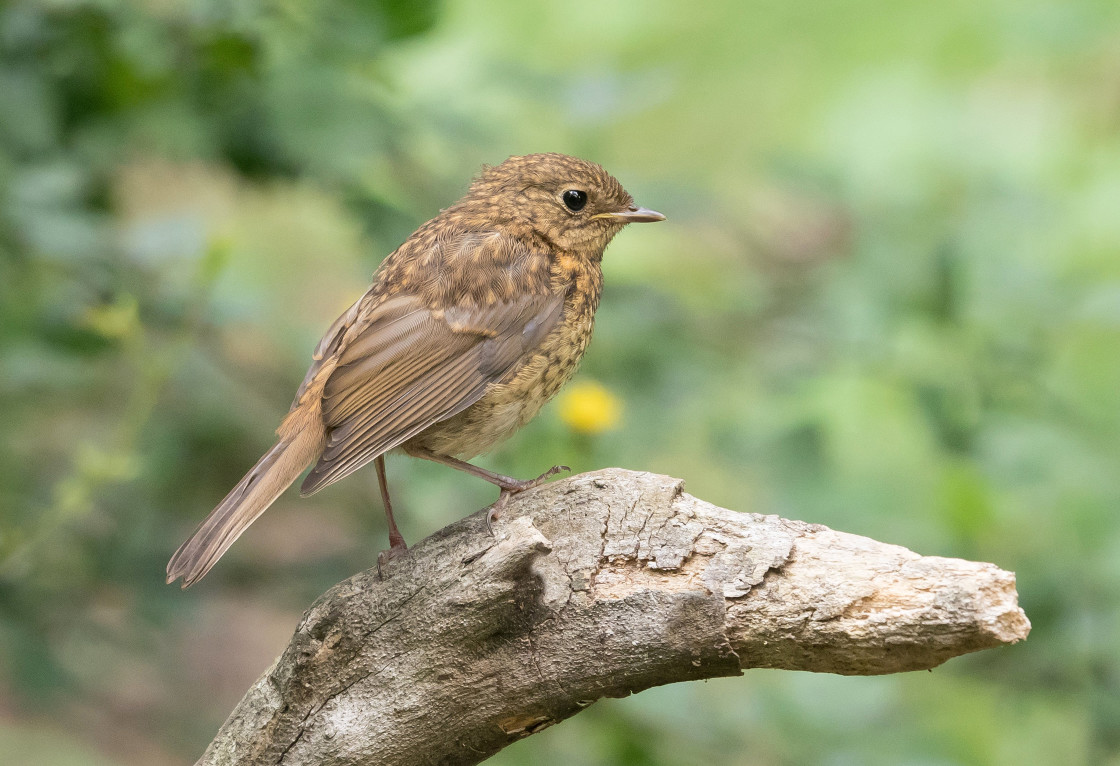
588, 407
116, 320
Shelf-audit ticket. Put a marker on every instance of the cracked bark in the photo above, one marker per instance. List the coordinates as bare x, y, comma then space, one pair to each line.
601, 585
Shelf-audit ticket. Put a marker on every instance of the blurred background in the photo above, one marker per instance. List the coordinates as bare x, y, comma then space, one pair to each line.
887, 299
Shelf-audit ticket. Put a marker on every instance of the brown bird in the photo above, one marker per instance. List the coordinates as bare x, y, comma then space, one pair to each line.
468, 329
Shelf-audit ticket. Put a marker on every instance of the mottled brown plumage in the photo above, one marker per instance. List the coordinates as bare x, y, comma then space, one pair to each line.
468, 329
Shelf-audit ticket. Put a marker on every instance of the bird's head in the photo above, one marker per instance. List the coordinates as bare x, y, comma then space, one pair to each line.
572, 203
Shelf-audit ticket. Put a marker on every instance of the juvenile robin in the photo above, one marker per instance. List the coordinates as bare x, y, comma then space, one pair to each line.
469, 327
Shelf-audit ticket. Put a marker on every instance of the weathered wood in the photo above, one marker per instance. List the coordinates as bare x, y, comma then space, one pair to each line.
601, 585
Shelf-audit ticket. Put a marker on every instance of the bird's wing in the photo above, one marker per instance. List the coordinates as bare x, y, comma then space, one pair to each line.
330, 343
407, 366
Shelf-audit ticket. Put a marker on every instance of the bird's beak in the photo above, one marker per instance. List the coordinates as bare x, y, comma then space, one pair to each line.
633, 215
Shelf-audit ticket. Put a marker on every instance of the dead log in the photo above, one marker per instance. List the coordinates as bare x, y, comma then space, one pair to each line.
601, 585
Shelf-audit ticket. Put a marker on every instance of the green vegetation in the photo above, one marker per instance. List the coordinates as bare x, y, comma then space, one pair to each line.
887, 299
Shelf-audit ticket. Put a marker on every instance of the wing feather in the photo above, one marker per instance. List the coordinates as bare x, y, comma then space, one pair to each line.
351, 454
411, 367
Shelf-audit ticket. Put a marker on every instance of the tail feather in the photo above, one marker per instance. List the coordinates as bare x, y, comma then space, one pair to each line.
252, 496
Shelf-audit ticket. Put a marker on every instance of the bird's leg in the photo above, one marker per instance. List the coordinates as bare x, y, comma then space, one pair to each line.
507, 484
396, 539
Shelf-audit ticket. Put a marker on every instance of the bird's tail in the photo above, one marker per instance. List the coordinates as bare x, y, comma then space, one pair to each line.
252, 496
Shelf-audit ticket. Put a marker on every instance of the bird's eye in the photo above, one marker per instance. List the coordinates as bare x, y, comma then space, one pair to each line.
574, 200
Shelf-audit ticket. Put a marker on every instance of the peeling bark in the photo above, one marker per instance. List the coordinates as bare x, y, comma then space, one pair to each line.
601, 585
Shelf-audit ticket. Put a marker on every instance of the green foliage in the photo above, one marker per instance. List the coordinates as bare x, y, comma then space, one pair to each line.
887, 299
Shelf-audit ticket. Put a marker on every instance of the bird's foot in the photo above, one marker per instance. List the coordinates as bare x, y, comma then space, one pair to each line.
385, 558
511, 488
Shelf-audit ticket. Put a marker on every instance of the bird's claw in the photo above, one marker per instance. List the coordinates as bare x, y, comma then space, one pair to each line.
386, 557
509, 491
496, 510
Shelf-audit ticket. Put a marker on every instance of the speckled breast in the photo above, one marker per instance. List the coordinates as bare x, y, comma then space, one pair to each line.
509, 405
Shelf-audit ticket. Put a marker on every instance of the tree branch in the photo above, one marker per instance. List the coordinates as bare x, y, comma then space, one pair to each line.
601, 585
